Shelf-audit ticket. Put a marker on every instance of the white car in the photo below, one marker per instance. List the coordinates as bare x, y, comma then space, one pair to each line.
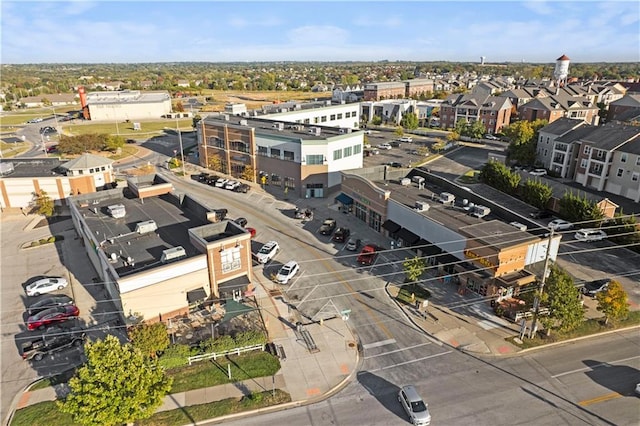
232, 184
384, 146
46, 285
560, 225
414, 406
538, 172
221, 182
491, 137
267, 251
407, 139
590, 235
287, 272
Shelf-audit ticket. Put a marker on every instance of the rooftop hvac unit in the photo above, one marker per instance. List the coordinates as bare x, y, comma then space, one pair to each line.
146, 227
172, 254
225, 117
421, 206
243, 122
117, 210
315, 131
278, 126
405, 182
345, 130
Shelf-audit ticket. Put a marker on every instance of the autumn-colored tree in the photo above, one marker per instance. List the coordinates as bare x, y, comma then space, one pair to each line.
247, 173
613, 302
214, 162
178, 107
42, 203
399, 131
117, 384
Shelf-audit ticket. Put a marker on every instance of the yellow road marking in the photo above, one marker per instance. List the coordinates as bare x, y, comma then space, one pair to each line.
601, 398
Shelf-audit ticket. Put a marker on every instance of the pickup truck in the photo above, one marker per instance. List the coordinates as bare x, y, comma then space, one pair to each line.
368, 255
53, 340
328, 226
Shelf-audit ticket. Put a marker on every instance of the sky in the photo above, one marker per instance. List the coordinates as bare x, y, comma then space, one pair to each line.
238, 31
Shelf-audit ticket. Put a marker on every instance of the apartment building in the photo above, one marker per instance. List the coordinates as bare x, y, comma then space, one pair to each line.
552, 108
622, 109
556, 145
390, 111
493, 111
609, 160
398, 89
293, 156
320, 113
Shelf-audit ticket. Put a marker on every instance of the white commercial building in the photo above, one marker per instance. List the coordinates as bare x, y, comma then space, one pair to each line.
128, 105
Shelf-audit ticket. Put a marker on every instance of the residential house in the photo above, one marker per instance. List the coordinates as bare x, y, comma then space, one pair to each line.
553, 107
623, 108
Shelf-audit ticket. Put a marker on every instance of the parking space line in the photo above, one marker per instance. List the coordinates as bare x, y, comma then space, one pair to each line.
379, 343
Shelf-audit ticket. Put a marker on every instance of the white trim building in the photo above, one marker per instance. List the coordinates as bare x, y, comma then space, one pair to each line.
128, 105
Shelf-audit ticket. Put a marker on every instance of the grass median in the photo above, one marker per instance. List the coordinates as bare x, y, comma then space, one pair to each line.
199, 375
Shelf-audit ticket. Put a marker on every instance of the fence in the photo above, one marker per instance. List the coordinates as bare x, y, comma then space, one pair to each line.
235, 351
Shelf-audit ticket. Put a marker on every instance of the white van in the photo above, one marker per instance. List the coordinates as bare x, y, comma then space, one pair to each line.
590, 234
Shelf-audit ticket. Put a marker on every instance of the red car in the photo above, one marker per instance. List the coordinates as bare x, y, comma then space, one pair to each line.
252, 231
52, 316
368, 254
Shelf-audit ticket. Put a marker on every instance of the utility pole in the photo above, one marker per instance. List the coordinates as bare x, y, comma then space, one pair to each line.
536, 302
181, 149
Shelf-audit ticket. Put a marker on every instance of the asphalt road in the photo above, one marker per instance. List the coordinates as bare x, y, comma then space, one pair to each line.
584, 383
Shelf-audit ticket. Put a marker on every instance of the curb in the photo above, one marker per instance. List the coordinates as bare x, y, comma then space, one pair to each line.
577, 339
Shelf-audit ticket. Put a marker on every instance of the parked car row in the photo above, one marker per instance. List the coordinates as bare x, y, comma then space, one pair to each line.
267, 252
50, 310
222, 182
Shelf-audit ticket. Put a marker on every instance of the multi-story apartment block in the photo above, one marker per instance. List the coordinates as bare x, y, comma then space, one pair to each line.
609, 160
493, 111
624, 108
556, 148
397, 89
321, 113
553, 107
293, 156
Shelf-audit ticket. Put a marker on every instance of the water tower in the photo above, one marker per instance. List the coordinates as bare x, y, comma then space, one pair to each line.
561, 71
482, 58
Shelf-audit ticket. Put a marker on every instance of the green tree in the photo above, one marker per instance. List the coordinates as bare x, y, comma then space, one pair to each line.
522, 135
413, 268
613, 302
149, 338
113, 142
476, 130
117, 384
376, 120
624, 229
500, 177
409, 121
42, 204
536, 193
196, 119
579, 209
563, 300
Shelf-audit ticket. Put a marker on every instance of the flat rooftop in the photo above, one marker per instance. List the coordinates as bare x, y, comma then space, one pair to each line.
31, 167
266, 126
119, 236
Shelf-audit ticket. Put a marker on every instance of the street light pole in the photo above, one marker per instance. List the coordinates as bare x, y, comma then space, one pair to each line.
181, 149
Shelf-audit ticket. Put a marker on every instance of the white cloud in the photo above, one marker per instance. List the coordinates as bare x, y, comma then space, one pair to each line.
267, 21
388, 22
78, 7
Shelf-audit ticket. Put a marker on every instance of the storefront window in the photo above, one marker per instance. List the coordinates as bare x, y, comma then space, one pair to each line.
361, 212
374, 220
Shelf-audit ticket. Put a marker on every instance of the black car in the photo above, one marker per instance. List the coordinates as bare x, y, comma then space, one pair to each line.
541, 214
53, 340
341, 235
243, 187
211, 180
395, 144
241, 221
49, 302
394, 164
594, 287
47, 129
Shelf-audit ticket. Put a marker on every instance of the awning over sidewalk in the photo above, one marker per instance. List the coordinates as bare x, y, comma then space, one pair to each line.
197, 295
239, 283
344, 199
408, 237
427, 248
391, 226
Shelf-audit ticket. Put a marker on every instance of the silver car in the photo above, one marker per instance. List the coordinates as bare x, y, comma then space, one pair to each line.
46, 285
416, 408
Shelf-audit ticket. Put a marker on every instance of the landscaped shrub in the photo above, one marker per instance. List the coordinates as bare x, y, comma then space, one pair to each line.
51, 239
35, 244
175, 356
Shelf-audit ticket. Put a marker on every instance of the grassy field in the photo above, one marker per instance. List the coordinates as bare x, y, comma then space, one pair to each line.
420, 293
148, 128
255, 100
12, 149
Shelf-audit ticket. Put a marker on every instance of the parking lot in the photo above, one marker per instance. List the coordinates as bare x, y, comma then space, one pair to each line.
22, 266
405, 155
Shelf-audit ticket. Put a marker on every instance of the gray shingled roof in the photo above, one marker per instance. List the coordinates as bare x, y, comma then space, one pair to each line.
561, 126
576, 134
612, 136
86, 161
628, 100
